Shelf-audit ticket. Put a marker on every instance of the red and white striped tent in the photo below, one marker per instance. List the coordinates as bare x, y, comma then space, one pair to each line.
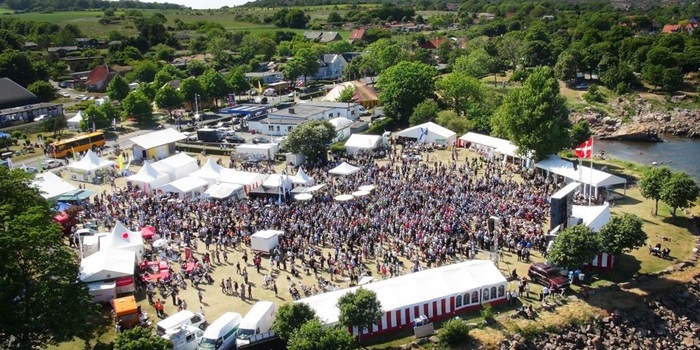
437, 293
248, 180
602, 262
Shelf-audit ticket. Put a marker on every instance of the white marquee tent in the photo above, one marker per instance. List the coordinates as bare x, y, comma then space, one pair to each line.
121, 238
248, 180
585, 175
149, 178
358, 142
74, 122
429, 133
224, 190
344, 169
301, 179
88, 166
157, 144
51, 186
594, 216
107, 265
490, 144
177, 166
278, 180
210, 171
189, 186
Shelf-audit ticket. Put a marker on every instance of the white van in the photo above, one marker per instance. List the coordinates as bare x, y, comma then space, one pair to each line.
258, 320
221, 334
184, 337
182, 318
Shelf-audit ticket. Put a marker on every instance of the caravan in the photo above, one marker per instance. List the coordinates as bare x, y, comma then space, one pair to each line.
221, 334
182, 318
258, 320
184, 337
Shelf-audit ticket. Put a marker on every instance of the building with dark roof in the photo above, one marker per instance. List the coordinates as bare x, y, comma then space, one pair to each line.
14, 95
18, 105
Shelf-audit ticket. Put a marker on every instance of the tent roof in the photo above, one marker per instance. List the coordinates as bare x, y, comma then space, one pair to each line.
340, 122
51, 186
302, 178
585, 175
107, 264
264, 146
431, 127
594, 216
245, 178
500, 145
278, 180
344, 169
265, 234
77, 117
184, 185
363, 92
147, 174
116, 239
363, 141
222, 190
209, 171
91, 162
175, 161
409, 289
158, 138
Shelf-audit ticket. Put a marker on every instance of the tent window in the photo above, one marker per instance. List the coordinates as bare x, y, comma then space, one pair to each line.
493, 292
458, 301
466, 298
501, 291
486, 294
475, 297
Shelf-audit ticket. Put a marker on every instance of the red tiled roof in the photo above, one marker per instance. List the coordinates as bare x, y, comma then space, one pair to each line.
670, 28
357, 34
97, 75
434, 43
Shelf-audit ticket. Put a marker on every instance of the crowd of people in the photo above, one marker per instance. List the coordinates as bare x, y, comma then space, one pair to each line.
420, 214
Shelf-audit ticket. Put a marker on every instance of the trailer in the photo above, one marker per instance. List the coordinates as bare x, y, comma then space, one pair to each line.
265, 241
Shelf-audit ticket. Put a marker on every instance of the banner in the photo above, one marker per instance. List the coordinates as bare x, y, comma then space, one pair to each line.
231, 99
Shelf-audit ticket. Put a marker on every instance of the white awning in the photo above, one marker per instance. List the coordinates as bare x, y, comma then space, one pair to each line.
429, 132
586, 175
51, 186
344, 169
90, 162
158, 138
223, 190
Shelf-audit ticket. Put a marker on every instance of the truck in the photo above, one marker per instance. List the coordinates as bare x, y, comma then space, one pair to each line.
208, 135
265, 241
258, 320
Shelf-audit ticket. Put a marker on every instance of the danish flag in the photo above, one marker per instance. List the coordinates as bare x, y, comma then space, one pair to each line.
585, 150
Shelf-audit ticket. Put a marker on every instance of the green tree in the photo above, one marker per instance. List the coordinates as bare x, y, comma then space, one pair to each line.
140, 338
477, 63
290, 317
405, 85
196, 68
454, 122
535, 116
567, 66
168, 99
425, 111
314, 336
118, 88
311, 139
574, 247
164, 52
454, 332
460, 91
137, 105
307, 60
17, 66
189, 87
147, 90
55, 125
579, 133
145, 71
237, 81
618, 74
41, 300
652, 183
593, 94
109, 111
359, 308
335, 18
166, 74
347, 94
214, 85
622, 234
680, 191
93, 116
43, 90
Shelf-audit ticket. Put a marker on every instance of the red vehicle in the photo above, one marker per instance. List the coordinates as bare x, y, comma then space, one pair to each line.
66, 221
548, 275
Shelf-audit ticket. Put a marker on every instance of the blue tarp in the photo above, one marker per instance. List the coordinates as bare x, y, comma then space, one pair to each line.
248, 110
3, 134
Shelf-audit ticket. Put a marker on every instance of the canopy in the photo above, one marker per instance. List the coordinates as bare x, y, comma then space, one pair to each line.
210, 171
585, 175
107, 265
74, 122
51, 186
185, 185
364, 94
344, 169
148, 176
248, 179
148, 232
340, 123
90, 162
358, 142
429, 133
158, 138
122, 238
277, 180
75, 195
501, 146
224, 190
301, 178
177, 166
594, 216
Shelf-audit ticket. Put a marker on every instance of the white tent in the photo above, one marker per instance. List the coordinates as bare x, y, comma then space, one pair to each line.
302, 179
210, 171
342, 128
88, 166
344, 169
107, 265
148, 177
586, 175
490, 144
122, 238
177, 166
186, 187
429, 133
224, 190
357, 143
594, 216
278, 180
74, 122
258, 151
51, 186
247, 179
156, 145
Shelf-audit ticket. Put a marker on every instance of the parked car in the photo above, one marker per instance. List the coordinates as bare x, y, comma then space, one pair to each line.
234, 139
30, 169
41, 117
64, 94
261, 139
548, 275
50, 164
80, 97
581, 86
190, 136
253, 92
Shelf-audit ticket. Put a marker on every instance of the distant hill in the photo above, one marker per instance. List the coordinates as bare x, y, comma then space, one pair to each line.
442, 4
76, 5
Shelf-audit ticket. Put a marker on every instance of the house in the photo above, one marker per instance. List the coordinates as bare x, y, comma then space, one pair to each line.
331, 66
328, 37
548, 18
79, 64
266, 78
114, 43
486, 16
357, 35
30, 45
86, 42
434, 43
313, 35
61, 51
677, 28
98, 79
282, 122
18, 105
184, 37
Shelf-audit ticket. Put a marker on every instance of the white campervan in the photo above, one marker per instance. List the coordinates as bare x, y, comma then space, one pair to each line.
182, 318
184, 337
258, 320
221, 334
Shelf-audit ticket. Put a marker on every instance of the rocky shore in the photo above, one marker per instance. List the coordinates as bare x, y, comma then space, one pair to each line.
640, 121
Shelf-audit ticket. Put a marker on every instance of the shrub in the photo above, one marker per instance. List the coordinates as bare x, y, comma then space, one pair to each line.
338, 147
593, 95
454, 331
486, 312
380, 126
622, 88
16, 134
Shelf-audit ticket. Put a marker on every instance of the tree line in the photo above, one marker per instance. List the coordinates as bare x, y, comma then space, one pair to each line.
79, 5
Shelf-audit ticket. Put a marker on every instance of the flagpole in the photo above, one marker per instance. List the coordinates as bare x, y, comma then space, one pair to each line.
590, 185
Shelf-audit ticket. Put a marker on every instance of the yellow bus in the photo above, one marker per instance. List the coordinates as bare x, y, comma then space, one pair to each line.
80, 143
